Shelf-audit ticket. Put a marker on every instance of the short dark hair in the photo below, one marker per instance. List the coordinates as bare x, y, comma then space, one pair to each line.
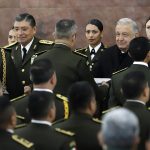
27, 17
39, 103
133, 84
6, 109
97, 23
41, 71
65, 28
139, 48
79, 95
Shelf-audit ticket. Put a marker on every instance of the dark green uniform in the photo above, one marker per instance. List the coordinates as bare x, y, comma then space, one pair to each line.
8, 74
46, 138
85, 128
10, 141
37, 46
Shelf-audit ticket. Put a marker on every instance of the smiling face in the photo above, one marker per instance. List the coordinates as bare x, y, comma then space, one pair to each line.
124, 34
93, 35
25, 32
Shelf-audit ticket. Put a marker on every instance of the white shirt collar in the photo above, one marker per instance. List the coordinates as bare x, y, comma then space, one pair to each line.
46, 90
41, 122
96, 48
130, 100
10, 130
140, 63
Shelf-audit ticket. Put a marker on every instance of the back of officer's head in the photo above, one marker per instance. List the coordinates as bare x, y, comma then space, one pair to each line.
133, 84
80, 95
120, 129
41, 105
27, 17
41, 71
139, 48
65, 29
7, 113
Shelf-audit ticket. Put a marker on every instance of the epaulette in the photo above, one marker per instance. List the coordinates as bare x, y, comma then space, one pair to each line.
22, 141
96, 120
80, 54
20, 117
9, 45
120, 71
46, 42
65, 132
108, 110
81, 49
62, 97
20, 125
18, 98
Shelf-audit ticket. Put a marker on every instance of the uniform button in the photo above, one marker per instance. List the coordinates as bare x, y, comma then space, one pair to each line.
23, 70
23, 82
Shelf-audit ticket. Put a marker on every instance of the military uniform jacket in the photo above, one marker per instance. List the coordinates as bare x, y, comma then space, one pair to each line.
70, 68
93, 64
9, 141
113, 60
85, 129
24, 67
116, 97
13, 83
45, 137
143, 115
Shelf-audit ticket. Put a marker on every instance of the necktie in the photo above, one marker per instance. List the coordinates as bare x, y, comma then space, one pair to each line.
24, 53
92, 52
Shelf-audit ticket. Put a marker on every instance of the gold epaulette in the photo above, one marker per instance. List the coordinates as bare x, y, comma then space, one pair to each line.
120, 71
78, 53
65, 132
22, 141
39, 53
80, 49
62, 97
108, 110
46, 42
18, 98
20, 125
96, 120
9, 45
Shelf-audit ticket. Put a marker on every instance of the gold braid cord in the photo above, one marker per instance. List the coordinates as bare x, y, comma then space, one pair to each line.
66, 110
4, 70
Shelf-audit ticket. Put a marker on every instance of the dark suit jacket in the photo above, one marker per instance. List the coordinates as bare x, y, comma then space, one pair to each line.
45, 137
7, 142
13, 83
143, 115
112, 60
24, 67
85, 130
116, 97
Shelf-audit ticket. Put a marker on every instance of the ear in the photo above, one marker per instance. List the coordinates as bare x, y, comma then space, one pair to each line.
52, 113
53, 79
35, 28
13, 119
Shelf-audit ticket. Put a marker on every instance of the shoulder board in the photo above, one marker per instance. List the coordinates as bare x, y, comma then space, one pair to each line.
96, 120
108, 110
20, 117
20, 125
12, 44
80, 54
62, 97
18, 98
65, 132
80, 49
46, 42
22, 141
120, 71
39, 53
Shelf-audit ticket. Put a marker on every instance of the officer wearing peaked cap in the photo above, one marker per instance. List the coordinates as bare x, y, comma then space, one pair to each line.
27, 46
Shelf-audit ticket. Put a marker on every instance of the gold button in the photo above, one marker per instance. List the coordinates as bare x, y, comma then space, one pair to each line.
23, 82
22, 70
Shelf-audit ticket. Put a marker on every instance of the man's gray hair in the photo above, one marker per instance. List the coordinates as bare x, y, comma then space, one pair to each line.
120, 128
65, 28
128, 21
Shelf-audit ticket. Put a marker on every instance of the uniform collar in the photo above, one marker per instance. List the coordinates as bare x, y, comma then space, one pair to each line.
136, 101
96, 47
41, 122
45, 90
140, 63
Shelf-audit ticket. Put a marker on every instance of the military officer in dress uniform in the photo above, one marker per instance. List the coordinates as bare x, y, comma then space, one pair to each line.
27, 46
8, 139
83, 106
43, 78
94, 33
